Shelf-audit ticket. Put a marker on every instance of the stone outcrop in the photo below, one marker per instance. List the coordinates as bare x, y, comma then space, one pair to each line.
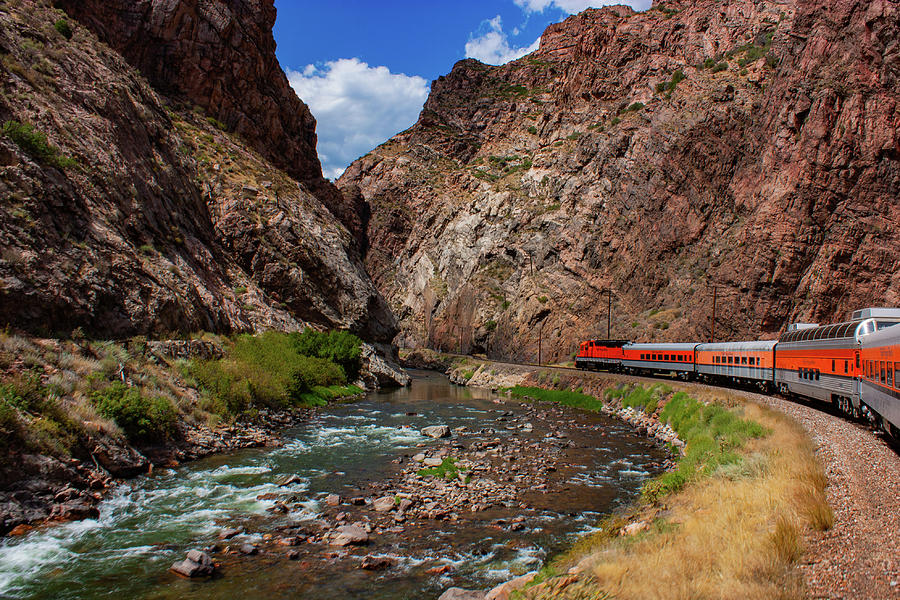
161, 206
748, 146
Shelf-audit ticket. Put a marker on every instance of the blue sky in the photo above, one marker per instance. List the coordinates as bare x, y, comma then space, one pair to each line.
364, 67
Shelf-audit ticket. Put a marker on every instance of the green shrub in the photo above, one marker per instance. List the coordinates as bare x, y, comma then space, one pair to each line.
722, 66
635, 107
709, 63
615, 121
24, 391
141, 419
490, 325
532, 130
278, 370
711, 434
35, 144
340, 347
10, 425
64, 29
448, 469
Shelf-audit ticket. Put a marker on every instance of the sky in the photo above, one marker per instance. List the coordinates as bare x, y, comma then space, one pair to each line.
364, 67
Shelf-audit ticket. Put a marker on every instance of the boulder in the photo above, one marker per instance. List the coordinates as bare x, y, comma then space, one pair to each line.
332, 499
195, 564
461, 594
418, 457
504, 590
348, 535
433, 462
436, 431
384, 504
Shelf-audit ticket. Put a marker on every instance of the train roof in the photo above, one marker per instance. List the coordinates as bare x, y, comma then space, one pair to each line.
609, 343
737, 346
885, 336
679, 347
850, 330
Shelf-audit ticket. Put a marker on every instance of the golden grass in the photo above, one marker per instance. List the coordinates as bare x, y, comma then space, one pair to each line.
736, 534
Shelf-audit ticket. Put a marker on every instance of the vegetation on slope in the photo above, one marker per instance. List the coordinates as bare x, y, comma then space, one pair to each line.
56, 395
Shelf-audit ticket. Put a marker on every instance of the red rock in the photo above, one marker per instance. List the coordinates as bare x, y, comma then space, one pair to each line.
525, 190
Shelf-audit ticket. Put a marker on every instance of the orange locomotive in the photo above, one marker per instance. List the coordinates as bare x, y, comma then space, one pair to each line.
853, 365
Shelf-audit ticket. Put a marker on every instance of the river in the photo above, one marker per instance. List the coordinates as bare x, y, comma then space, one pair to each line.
150, 522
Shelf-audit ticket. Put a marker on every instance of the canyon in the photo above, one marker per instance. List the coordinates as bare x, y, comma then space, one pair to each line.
741, 149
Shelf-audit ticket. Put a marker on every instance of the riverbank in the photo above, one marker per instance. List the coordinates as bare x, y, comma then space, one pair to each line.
734, 528
79, 416
351, 507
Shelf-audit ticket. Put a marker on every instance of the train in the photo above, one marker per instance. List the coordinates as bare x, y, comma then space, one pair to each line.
853, 366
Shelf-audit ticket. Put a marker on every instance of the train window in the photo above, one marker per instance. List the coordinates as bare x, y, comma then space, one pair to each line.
857, 361
881, 368
890, 375
897, 374
846, 366
743, 360
817, 374
642, 357
833, 370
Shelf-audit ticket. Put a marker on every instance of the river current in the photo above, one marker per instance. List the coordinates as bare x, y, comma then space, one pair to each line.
150, 522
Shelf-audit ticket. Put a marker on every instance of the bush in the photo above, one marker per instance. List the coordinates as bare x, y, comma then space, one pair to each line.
722, 66
279, 370
532, 130
64, 29
340, 347
24, 391
140, 418
635, 107
709, 63
35, 144
10, 425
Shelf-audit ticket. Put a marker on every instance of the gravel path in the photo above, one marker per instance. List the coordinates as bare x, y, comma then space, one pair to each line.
858, 558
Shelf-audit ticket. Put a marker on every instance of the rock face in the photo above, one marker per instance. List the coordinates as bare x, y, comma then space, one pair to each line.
750, 146
167, 220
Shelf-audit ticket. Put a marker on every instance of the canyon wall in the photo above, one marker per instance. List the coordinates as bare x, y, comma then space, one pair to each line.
751, 147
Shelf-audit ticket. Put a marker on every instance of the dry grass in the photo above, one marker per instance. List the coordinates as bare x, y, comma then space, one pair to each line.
735, 534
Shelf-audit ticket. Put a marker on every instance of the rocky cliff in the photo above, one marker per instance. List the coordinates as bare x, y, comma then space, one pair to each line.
746, 146
165, 181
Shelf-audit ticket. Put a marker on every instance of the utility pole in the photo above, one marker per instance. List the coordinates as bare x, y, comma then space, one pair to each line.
712, 324
609, 315
540, 341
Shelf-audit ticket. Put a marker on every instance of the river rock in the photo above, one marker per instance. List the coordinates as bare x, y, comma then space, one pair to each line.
419, 457
74, 510
433, 462
384, 504
227, 534
332, 499
290, 480
195, 564
248, 549
376, 563
461, 594
504, 590
347, 535
436, 431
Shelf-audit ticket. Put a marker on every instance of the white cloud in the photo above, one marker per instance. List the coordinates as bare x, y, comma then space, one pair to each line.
576, 6
356, 107
493, 47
